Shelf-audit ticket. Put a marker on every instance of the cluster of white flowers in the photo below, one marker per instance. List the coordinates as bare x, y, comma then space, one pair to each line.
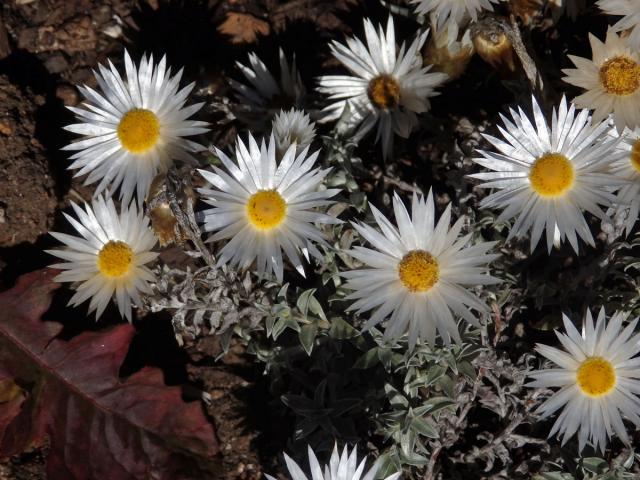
268, 198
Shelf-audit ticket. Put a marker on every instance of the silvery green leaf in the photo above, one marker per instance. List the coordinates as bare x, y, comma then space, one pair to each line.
307, 336
433, 405
628, 463
342, 330
424, 427
269, 323
435, 374
395, 398
369, 359
303, 301
282, 293
225, 339
282, 324
467, 370
594, 464
447, 385
389, 465
359, 200
385, 355
316, 308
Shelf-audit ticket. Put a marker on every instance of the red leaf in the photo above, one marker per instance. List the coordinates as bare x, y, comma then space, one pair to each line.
99, 426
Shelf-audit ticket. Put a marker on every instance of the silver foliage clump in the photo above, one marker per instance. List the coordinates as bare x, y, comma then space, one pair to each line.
207, 301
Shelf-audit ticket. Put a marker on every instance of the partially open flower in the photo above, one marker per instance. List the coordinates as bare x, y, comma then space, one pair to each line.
293, 126
265, 96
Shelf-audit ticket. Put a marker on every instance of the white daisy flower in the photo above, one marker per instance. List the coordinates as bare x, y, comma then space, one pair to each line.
598, 376
340, 467
293, 126
456, 12
135, 128
547, 175
629, 10
265, 207
416, 273
109, 257
628, 168
389, 86
611, 80
265, 95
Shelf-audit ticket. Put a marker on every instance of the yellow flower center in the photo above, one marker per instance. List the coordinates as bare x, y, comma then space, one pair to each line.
139, 130
418, 270
596, 376
114, 259
552, 175
620, 76
266, 209
635, 155
384, 92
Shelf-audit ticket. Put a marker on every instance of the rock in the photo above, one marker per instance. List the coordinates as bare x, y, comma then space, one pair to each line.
56, 64
5, 127
68, 94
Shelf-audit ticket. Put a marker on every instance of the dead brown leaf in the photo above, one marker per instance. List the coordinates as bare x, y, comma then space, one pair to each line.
243, 28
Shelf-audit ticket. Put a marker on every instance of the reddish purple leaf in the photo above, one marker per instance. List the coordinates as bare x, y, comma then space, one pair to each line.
99, 426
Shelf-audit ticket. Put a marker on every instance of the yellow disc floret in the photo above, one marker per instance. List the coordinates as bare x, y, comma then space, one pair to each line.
139, 130
596, 376
620, 76
266, 209
418, 270
635, 155
384, 92
115, 258
552, 175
